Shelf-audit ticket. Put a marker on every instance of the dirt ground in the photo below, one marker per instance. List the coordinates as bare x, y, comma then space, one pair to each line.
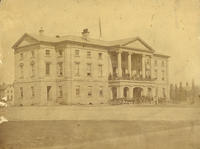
97, 134
104, 112
112, 127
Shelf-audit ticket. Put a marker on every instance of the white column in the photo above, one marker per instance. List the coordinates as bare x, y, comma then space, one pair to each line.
129, 63
143, 66
120, 90
130, 92
152, 67
119, 64
111, 93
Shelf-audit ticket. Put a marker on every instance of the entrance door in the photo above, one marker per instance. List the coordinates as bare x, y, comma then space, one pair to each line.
114, 92
126, 92
137, 92
48, 93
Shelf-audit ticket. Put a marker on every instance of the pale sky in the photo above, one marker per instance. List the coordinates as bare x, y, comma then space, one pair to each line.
169, 26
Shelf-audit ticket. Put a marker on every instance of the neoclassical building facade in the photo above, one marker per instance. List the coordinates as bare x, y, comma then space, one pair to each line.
82, 70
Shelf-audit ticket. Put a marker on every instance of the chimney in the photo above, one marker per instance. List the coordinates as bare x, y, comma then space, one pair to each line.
41, 31
85, 34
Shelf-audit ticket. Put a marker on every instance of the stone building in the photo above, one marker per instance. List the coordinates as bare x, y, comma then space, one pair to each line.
9, 93
3, 87
82, 70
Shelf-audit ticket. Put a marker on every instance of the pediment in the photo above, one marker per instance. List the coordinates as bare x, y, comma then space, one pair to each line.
139, 45
25, 40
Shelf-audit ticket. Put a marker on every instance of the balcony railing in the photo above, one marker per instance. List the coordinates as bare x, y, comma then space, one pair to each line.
132, 78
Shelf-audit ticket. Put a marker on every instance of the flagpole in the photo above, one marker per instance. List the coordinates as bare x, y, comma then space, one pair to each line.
100, 32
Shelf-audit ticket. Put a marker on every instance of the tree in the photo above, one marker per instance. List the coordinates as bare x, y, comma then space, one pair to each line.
176, 98
172, 92
187, 92
181, 92
193, 92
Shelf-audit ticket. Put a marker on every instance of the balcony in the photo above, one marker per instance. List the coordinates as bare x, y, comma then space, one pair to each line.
131, 78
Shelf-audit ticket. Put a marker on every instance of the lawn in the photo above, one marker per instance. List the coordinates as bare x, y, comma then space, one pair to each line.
33, 134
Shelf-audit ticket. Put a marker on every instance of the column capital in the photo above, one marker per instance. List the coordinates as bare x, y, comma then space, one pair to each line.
143, 55
130, 52
119, 51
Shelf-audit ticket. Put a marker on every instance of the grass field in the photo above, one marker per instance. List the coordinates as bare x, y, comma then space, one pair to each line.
55, 134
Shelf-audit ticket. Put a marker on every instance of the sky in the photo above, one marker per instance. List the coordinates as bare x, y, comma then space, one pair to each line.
171, 27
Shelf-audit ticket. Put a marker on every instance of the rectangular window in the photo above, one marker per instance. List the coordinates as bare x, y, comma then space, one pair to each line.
21, 56
100, 91
47, 52
100, 55
60, 53
77, 53
163, 75
148, 61
77, 90
32, 54
89, 91
88, 54
77, 68
60, 69
21, 92
100, 70
89, 69
156, 73
32, 69
155, 62
47, 68
32, 91
60, 91
21, 71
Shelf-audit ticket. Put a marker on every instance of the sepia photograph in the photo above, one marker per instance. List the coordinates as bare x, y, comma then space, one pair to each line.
99, 74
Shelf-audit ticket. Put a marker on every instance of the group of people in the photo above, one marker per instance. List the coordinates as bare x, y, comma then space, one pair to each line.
140, 100
135, 75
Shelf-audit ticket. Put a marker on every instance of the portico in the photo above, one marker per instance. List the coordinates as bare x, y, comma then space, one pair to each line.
131, 75
130, 65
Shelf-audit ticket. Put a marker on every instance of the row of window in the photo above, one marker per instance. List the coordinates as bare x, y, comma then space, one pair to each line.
22, 55
78, 91
88, 69
9, 91
162, 74
156, 63
32, 65
47, 53
77, 53
89, 54
60, 69
77, 69
60, 91
89, 93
